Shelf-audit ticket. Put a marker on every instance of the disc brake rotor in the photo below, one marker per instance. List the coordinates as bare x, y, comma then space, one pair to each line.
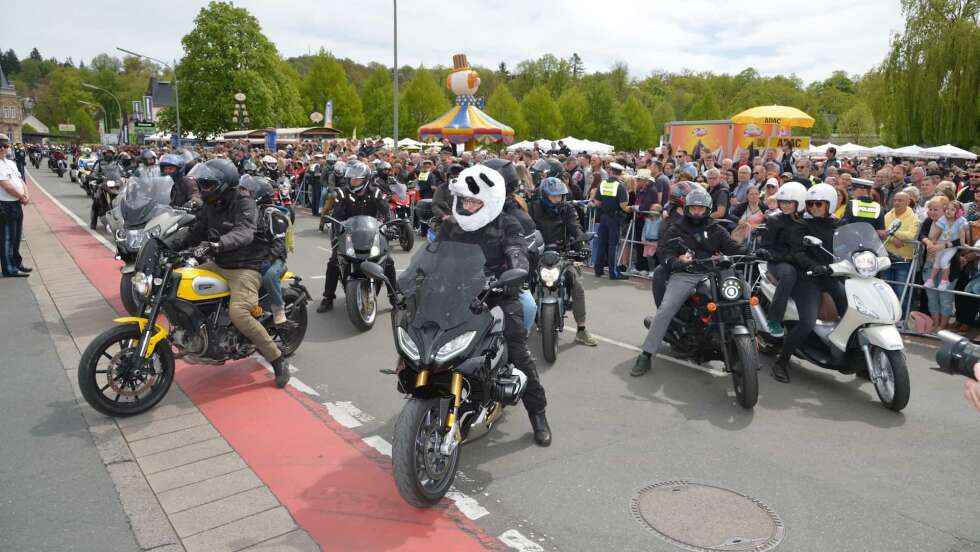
129, 381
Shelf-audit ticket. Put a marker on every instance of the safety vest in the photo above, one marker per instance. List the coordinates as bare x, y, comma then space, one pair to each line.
608, 188
865, 209
423, 176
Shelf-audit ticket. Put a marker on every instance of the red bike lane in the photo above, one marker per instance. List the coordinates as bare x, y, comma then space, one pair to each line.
339, 489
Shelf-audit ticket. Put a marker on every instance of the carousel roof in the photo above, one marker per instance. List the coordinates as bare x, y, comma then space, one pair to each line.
465, 122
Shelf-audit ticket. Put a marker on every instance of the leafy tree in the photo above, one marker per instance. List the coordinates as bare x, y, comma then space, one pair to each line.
856, 122
619, 79
105, 62
662, 114
541, 113
638, 128
578, 68
327, 81
706, 108
606, 119
421, 101
227, 53
576, 118
377, 99
9, 63
35, 55
502, 71
503, 107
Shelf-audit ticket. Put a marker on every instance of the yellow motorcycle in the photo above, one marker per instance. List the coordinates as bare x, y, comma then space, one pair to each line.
129, 368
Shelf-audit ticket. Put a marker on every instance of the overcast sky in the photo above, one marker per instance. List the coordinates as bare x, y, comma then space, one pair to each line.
723, 36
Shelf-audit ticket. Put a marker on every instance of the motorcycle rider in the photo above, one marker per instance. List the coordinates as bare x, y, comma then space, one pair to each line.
106, 158
270, 168
673, 213
382, 176
696, 232
337, 182
558, 222
184, 192
225, 229
780, 230
478, 218
361, 198
271, 231
148, 161
812, 264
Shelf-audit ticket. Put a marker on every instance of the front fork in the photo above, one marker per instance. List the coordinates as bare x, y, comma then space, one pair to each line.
151, 318
448, 409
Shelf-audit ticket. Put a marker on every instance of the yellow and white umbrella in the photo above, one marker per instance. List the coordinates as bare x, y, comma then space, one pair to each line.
780, 115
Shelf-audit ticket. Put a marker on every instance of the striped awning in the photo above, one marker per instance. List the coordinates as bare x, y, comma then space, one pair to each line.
465, 122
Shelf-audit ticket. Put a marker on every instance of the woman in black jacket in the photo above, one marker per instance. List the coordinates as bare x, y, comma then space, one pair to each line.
812, 264
778, 239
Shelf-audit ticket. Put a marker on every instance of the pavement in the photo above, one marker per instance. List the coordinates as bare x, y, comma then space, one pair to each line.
842, 472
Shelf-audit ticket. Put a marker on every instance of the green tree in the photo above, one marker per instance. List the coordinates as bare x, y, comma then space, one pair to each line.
421, 101
541, 113
35, 55
662, 114
576, 118
578, 68
856, 122
227, 53
9, 63
377, 99
706, 108
503, 106
328, 81
638, 129
606, 119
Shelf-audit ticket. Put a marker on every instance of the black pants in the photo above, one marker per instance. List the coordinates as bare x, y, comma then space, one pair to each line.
786, 274
966, 307
333, 275
807, 294
315, 190
534, 397
11, 231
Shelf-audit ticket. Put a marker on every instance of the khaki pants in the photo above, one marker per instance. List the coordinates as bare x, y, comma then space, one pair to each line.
245, 284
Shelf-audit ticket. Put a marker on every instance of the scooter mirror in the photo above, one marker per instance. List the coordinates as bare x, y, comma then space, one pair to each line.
896, 224
511, 277
811, 240
373, 270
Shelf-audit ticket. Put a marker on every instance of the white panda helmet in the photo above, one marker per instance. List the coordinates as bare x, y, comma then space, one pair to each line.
482, 183
793, 191
823, 192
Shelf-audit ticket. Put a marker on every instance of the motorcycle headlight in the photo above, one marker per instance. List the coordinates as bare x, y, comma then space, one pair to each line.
455, 346
348, 245
141, 284
135, 239
731, 289
376, 246
549, 275
407, 345
110, 183
865, 262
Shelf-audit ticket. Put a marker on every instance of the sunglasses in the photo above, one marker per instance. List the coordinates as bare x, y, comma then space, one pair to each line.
814, 203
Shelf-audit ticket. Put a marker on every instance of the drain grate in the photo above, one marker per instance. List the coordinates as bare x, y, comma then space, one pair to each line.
706, 518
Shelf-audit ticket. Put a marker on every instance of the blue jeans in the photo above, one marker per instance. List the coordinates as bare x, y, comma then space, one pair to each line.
899, 272
608, 239
940, 302
530, 309
11, 231
271, 282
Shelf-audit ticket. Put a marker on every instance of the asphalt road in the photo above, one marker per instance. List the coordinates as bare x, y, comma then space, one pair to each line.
841, 471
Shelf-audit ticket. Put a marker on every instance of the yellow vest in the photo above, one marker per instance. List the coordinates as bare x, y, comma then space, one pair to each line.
866, 209
423, 176
608, 188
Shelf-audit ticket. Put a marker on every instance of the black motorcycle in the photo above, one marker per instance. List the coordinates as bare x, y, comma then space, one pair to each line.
105, 188
553, 289
58, 163
400, 204
719, 322
453, 363
360, 239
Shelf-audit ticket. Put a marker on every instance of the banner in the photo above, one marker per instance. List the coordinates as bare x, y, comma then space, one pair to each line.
270, 140
691, 137
328, 114
147, 108
138, 110
798, 142
66, 128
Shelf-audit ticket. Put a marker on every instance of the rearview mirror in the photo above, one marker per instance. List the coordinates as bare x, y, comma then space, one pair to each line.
373, 270
896, 224
811, 240
587, 237
512, 277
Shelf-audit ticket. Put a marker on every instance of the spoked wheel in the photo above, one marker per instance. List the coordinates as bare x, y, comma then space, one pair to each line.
745, 376
115, 381
406, 237
290, 339
892, 385
423, 474
362, 304
549, 332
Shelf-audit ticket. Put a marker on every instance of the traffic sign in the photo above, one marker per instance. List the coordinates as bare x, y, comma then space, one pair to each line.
66, 128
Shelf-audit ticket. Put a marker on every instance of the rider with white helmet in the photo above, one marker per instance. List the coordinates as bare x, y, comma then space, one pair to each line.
780, 230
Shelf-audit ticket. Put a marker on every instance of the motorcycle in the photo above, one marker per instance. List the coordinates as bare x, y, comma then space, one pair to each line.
128, 369
400, 202
865, 335
453, 363
360, 239
104, 192
35, 157
58, 163
143, 199
719, 321
553, 290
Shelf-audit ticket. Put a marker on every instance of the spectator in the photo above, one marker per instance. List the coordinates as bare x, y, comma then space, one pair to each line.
719, 192
948, 229
841, 202
13, 196
940, 304
744, 177
748, 215
902, 243
948, 189
830, 162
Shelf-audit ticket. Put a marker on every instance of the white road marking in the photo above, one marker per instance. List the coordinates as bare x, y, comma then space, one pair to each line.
378, 444
705, 369
467, 504
320, 277
323, 249
294, 381
76, 218
514, 539
347, 414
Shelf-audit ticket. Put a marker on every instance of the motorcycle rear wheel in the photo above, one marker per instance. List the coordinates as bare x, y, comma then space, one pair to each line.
362, 303
406, 237
423, 474
96, 376
290, 340
745, 376
549, 332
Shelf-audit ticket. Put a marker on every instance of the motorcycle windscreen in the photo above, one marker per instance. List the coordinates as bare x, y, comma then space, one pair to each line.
857, 236
144, 198
399, 190
441, 283
363, 230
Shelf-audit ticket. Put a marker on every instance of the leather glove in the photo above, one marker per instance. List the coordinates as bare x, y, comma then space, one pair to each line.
204, 248
821, 270
763, 254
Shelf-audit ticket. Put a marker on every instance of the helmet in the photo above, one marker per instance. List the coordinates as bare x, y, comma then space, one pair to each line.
108, 154
270, 163
551, 186
823, 192
482, 183
382, 167
124, 159
794, 191
357, 171
543, 168
259, 186
679, 191
508, 171
86, 150
331, 158
340, 168
454, 170
214, 178
250, 167
148, 157
697, 198
172, 160
185, 155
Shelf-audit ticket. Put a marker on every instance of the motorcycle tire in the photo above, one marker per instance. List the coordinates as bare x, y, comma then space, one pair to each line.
549, 332
129, 301
290, 340
406, 237
745, 376
93, 222
126, 337
896, 395
416, 425
72, 177
362, 317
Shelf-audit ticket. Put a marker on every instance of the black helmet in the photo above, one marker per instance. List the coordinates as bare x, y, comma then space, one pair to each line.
454, 170
124, 159
697, 198
214, 178
108, 154
543, 168
259, 186
508, 171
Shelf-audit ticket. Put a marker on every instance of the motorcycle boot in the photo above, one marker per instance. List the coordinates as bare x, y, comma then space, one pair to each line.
542, 432
643, 364
326, 304
780, 371
281, 368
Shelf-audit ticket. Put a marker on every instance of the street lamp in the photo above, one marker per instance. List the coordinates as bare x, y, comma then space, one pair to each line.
176, 84
122, 120
395, 13
105, 116
240, 115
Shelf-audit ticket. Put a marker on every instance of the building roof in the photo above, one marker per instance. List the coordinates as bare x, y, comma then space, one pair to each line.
4, 83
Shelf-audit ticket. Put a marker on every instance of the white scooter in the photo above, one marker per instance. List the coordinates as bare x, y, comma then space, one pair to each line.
864, 339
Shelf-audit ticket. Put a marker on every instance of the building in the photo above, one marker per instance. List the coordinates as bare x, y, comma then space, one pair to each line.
11, 112
283, 135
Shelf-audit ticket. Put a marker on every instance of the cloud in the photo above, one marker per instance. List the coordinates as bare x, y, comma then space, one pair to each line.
724, 37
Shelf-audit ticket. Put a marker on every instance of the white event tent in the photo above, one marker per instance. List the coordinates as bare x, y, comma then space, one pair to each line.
855, 150
952, 152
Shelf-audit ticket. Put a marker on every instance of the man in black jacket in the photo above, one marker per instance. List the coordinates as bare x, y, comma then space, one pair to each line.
696, 233
225, 228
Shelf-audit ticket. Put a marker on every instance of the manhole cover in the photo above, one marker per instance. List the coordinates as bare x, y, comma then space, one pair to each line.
706, 518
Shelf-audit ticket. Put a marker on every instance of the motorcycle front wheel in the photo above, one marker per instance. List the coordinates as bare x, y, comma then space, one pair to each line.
549, 331
406, 237
893, 386
745, 376
362, 304
114, 382
423, 474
